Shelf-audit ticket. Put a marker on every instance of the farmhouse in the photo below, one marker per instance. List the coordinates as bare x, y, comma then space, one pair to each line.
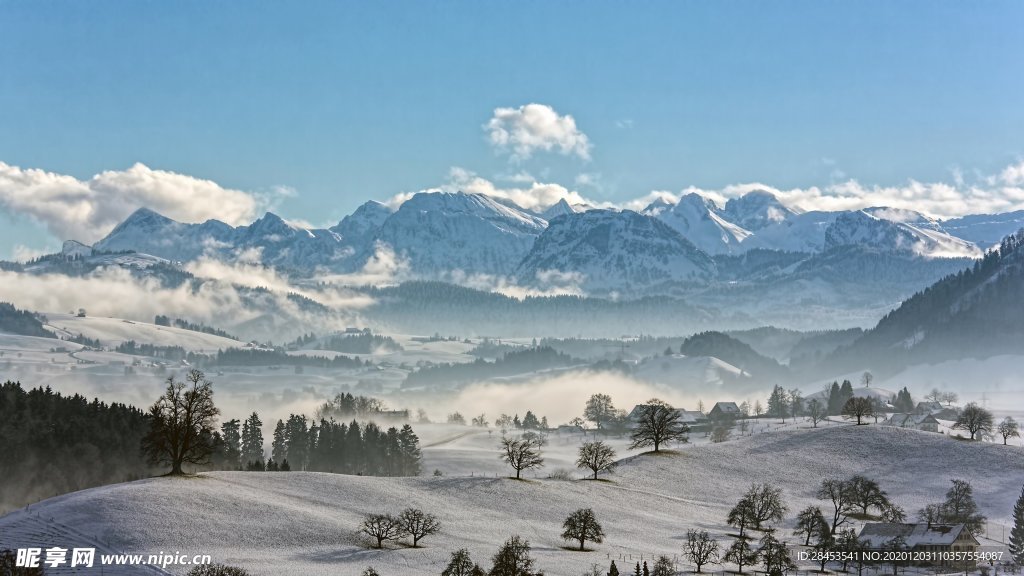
926, 422
939, 538
725, 411
692, 418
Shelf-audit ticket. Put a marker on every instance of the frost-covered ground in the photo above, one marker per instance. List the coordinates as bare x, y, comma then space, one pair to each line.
303, 523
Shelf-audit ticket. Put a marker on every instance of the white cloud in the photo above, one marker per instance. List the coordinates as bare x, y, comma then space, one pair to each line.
537, 196
22, 253
591, 179
524, 130
1002, 192
1013, 175
638, 204
86, 210
549, 283
384, 267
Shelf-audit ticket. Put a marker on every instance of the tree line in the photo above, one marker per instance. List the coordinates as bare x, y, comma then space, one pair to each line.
52, 444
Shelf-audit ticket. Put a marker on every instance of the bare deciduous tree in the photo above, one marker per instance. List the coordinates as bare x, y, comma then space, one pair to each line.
182, 423
816, 412
381, 527
1009, 428
701, 548
521, 454
418, 524
658, 424
976, 420
582, 526
858, 408
597, 456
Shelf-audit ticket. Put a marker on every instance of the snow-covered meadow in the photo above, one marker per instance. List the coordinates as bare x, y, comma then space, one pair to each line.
305, 523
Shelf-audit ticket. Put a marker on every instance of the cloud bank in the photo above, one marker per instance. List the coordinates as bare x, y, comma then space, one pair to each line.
86, 210
535, 127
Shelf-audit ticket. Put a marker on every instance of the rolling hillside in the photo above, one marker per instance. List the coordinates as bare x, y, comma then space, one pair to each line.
304, 523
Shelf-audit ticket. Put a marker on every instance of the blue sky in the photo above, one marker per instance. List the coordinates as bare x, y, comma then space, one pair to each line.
346, 101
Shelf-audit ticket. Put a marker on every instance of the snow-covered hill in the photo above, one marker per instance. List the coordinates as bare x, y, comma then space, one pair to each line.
609, 251
303, 523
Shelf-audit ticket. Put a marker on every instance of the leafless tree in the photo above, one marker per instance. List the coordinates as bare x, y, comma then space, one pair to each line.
1009, 428
382, 527
182, 423
418, 524
701, 548
658, 424
597, 456
816, 412
521, 454
976, 420
582, 526
839, 493
858, 408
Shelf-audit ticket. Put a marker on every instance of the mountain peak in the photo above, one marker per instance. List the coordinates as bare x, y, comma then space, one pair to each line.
608, 250
757, 209
145, 216
557, 209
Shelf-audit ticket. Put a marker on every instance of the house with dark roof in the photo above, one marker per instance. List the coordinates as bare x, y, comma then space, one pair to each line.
725, 411
937, 538
926, 422
928, 407
692, 418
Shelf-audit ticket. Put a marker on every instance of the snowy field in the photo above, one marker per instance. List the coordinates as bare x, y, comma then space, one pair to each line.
303, 523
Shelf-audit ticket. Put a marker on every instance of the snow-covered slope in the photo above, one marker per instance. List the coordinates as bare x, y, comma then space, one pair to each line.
897, 231
561, 208
697, 219
270, 239
359, 228
113, 331
148, 232
609, 251
985, 230
799, 233
440, 232
304, 523
756, 210
698, 374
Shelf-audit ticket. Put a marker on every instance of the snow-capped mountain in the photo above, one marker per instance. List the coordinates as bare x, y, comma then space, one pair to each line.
147, 232
561, 208
439, 232
607, 251
360, 227
973, 314
798, 233
271, 239
757, 210
985, 230
898, 231
698, 220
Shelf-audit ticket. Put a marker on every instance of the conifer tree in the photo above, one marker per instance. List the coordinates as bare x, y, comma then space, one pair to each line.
1017, 532
252, 438
279, 447
230, 432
